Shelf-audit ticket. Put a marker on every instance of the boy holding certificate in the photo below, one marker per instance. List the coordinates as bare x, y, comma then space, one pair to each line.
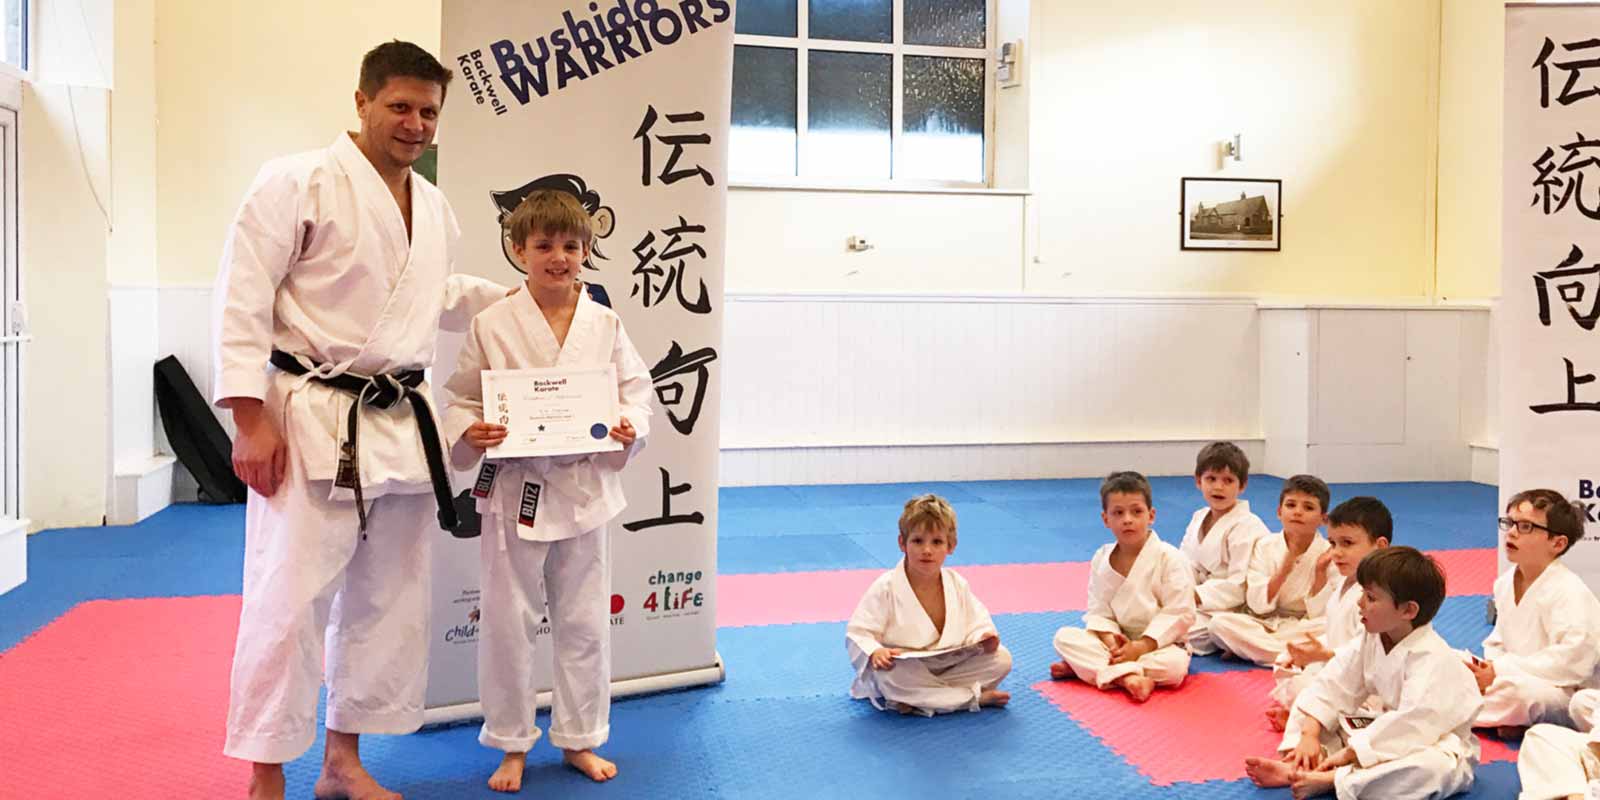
545, 517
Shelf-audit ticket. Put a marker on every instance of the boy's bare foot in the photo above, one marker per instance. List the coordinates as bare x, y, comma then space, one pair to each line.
1138, 687
1060, 671
266, 782
508, 776
1227, 655
1277, 717
1510, 733
1269, 773
994, 697
904, 708
349, 780
598, 769
1312, 784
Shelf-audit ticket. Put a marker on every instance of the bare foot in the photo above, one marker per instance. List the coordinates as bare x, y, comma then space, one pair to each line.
994, 697
1312, 784
586, 762
903, 708
1510, 733
349, 780
508, 776
266, 782
1277, 717
1060, 671
1269, 773
1227, 655
1138, 687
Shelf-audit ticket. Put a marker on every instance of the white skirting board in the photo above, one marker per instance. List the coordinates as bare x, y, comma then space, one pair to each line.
13, 554
141, 489
706, 676
1485, 463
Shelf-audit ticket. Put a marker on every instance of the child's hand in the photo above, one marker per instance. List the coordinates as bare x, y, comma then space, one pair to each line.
883, 657
624, 432
1344, 756
990, 643
1307, 754
1483, 671
483, 435
1306, 652
1133, 651
1112, 641
1324, 561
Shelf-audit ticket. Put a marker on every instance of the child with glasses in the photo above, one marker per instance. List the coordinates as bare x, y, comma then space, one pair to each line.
1546, 639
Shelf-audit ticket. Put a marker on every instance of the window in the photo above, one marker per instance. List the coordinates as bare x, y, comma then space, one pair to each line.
14, 46
863, 91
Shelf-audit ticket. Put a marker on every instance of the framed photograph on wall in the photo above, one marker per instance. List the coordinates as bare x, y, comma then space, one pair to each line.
1230, 214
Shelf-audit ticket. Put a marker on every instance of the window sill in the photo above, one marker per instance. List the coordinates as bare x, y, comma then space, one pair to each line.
873, 188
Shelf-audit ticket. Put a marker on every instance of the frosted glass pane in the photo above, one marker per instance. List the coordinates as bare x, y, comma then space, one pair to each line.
767, 17
849, 97
943, 124
851, 20
948, 23
762, 140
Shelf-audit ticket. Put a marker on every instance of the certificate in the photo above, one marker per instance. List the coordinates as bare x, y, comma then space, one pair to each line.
552, 412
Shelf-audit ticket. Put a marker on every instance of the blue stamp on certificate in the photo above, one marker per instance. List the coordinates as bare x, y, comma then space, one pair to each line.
598, 430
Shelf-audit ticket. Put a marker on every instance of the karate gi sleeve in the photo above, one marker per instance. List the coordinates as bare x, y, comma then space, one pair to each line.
870, 620
1439, 696
1175, 593
1569, 659
979, 624
464, 295
634, 387
464, 401
1339, 687
1099, 617
1494, 647
1225, 592
1317, 604
1263, 565
261, 245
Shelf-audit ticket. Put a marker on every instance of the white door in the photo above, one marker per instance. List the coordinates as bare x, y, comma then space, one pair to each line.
13, 327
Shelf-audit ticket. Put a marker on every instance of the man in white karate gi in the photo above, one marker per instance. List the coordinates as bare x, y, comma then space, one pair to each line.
337, 273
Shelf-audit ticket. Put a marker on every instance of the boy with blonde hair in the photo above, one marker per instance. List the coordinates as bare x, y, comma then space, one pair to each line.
1141, 601
545, 518
1219, 537
1545, 645
1418, 743
1286, 571
920, 641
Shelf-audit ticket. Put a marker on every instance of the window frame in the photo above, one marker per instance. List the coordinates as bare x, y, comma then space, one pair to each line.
23, 72
802, 43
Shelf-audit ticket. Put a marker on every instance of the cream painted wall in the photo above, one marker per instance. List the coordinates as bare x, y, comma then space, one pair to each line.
131, 253
240, 83
1471, 85
1336, 99
64, 275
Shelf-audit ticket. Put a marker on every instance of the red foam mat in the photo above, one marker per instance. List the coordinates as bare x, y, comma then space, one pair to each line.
145, 683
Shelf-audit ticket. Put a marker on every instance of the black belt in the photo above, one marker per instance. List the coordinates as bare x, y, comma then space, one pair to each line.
386, 391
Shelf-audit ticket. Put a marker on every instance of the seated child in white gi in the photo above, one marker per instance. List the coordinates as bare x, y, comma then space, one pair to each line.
1286, 571
544, 519
920, 641
1546, 639
1140, 604
1356, 527
1559, 762
1219, 537
1418, 743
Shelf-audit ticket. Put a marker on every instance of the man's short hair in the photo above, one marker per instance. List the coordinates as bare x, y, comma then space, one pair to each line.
399, 59
552, 213
928, 512
1127, 482
1368, 514
1220, 456
1307, 484
1407, 575
1561, 516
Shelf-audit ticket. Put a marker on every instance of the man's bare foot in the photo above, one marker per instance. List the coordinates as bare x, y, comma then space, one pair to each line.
508, 776
1138, 687
1312, 784
994, 698
266, 782
1510, 733
1269, 773
1060, 671
1277, 717
586, 762
349, 780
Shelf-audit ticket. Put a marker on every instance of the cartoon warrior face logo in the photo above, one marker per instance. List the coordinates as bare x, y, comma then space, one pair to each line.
605, 220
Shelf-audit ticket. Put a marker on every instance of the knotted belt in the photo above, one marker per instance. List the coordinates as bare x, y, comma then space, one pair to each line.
385, 392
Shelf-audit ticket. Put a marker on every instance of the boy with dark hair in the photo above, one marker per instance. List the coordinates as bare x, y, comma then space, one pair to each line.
1219, 537
1141, 601
1419, 742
